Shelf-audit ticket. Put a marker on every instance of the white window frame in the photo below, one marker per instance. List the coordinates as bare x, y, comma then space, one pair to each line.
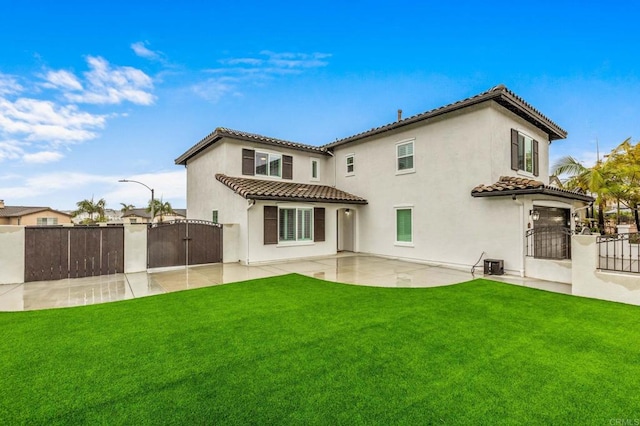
317, 163
353, 164
215, 216
526, 138
413, 155
395, 225
47, 221
298, 240
270, 155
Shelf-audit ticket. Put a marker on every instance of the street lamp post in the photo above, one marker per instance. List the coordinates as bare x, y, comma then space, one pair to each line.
153, 204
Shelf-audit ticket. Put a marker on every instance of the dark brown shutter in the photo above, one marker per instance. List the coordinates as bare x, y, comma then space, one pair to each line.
270, 225
535, 158
514, 149
248, 162
287, 167
318, 224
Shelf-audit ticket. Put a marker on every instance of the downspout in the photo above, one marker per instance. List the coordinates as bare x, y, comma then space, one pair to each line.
522, 242
250, 204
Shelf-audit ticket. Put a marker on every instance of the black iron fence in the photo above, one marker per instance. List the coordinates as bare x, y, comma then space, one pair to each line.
619, 252
549, 242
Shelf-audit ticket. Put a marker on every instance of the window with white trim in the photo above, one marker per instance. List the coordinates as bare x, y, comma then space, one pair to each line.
404, 225
315, 169
268, 164
525, 153
214, 216
42, 221
295, 224
350, 162
404, 157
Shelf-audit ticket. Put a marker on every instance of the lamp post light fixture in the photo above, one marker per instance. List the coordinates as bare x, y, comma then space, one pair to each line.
153, 204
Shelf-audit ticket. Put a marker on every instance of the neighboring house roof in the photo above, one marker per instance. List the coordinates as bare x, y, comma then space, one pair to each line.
256, 189
18, 211
508, 185
222, 132
499, 94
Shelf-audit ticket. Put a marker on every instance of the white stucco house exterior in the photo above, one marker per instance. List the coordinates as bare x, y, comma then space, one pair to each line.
447, 186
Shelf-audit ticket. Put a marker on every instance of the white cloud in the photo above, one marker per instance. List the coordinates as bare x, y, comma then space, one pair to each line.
236, 72
9, 85
38, 120
42, 157
62, 80
107, 84
140, 49
10, 150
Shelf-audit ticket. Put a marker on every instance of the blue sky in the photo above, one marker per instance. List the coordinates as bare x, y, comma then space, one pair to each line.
96, 91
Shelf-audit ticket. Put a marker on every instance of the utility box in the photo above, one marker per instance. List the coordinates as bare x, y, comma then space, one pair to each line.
494, 267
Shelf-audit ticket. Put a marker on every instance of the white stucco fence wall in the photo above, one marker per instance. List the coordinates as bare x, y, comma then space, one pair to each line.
135, 248
11, 254
587, 281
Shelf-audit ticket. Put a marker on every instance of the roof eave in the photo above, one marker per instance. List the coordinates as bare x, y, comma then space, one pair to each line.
302, 199
545, 191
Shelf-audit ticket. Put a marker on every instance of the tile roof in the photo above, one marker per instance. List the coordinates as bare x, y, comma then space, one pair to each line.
222, 132
509, 185
257, 189
499, 94
16, 211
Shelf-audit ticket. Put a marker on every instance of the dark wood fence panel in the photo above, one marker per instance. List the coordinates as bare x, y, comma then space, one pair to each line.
53, 253
184, 243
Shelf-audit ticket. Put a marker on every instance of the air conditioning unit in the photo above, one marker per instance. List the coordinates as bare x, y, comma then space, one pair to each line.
494, 267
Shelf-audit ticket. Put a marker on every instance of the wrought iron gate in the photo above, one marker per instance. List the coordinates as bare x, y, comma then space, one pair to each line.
185, 242
54, 253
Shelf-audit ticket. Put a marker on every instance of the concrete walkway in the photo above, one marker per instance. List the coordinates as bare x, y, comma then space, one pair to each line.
345, 267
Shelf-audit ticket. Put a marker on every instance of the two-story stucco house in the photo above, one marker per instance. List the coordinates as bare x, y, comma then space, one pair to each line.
447, 186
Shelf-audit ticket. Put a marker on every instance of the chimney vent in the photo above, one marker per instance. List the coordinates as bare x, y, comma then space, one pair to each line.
1, 204
399, 115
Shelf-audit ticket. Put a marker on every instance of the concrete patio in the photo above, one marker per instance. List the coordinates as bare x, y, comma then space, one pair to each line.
345, 268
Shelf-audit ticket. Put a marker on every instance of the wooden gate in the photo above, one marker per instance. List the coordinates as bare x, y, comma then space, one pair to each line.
186, 242
54, 253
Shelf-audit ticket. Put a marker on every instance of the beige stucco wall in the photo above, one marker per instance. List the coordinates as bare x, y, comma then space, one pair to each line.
588, 281
32, 219
11, 254
452, 154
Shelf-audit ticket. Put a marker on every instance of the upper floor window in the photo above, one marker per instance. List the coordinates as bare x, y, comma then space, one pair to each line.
315, 169
524, 153
351, 164
263, 163
214, 216
404, 157
268, 164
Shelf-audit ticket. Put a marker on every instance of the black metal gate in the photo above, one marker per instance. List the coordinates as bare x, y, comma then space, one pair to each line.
54, 253
185, 242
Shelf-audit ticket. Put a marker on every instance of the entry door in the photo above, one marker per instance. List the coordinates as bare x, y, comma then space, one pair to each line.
552, 237
346, 229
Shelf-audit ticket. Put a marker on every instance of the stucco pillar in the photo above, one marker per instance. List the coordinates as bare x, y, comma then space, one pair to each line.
11, 254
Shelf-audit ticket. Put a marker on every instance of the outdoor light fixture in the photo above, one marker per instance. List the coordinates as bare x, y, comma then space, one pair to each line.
535, 214
576, 215
348, 212
153, 204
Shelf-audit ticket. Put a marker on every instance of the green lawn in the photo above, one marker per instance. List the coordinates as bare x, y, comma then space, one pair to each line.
294, 349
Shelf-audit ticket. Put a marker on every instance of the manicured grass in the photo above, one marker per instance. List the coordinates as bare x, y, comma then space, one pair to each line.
298, 350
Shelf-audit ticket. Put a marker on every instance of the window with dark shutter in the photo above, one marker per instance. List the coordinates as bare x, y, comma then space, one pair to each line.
287, 167
248, 162
318, 224
270, 225
514, 149
535, 158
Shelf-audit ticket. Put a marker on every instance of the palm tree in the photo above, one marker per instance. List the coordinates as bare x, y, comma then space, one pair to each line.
126, 207
624, 162
90, 207
160, 208
595, 180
